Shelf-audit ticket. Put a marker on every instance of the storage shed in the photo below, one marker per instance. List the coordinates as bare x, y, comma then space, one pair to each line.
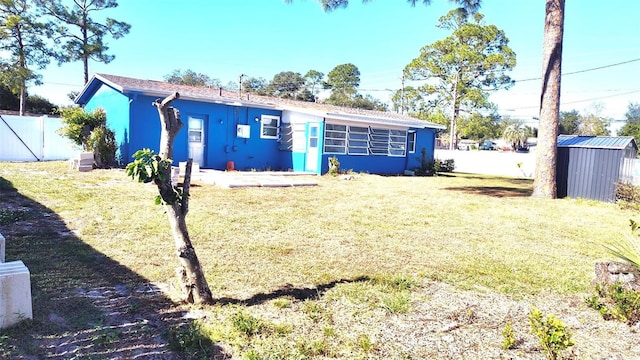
589, 167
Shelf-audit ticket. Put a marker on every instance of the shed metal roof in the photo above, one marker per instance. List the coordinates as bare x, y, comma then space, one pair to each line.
155, 88
599, 142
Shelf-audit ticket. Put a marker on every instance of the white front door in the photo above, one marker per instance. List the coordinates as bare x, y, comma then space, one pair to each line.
196, 140
311, 161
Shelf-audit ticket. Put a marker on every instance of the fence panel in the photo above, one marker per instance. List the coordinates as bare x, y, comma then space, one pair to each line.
28, 138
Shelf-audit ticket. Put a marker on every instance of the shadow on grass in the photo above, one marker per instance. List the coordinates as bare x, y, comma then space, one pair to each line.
494, 191
300, 294
85, 305
523, 186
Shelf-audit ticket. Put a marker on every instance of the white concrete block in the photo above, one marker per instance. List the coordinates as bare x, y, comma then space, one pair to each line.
15, 293
2, 248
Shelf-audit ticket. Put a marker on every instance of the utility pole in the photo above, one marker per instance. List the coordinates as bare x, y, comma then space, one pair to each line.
453, 138
402, 96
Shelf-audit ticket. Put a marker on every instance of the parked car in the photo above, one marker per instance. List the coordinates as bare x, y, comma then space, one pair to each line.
467, 145
522, 149
488, 145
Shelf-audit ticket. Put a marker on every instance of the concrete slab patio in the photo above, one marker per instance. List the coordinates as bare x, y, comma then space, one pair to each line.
239, 179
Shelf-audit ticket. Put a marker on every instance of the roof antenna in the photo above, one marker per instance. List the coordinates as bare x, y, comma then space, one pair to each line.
240, 86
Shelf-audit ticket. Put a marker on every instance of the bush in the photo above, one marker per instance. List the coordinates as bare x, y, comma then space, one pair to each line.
102, 142
334, 166
615, 301
554, 335
628, 195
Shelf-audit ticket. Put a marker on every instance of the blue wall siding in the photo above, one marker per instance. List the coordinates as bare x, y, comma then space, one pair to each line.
388, 165
425, 139
116, 105
220, 128
145, 125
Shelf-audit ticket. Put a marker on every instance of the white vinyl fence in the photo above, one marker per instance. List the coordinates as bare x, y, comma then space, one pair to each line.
29, 138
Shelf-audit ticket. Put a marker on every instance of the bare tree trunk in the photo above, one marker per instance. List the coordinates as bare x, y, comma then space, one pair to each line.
194, 284
23, 99
544, 184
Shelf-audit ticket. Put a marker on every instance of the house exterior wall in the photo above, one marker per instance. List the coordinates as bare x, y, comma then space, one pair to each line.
386, 164
116, 106
221, 144
425, 139
296, 156
137, 126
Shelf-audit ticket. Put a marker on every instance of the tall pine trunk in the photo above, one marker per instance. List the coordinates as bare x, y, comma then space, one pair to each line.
544, 184
194, 284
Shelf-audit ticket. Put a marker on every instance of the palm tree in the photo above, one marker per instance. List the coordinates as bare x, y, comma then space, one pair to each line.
516, 135
544, 184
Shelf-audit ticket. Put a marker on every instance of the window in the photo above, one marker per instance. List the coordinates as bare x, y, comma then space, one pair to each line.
411, 138
195, 129
397, 142
269, 127
379, 142
335, 139
358, 140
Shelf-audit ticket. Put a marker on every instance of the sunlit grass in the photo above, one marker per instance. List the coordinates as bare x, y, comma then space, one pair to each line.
368, 242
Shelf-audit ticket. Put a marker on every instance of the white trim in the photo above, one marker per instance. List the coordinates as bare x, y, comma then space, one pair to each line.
268, 119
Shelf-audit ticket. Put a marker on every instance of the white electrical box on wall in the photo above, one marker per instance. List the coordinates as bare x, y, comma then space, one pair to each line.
244, 131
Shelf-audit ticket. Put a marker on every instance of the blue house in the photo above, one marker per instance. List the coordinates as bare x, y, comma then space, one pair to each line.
247, 131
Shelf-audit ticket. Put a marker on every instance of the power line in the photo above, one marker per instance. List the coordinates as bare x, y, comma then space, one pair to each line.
585, 70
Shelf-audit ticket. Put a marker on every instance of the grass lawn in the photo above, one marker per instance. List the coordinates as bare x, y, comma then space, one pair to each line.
304, 254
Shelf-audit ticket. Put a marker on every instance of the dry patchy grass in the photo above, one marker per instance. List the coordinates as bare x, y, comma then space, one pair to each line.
309, 260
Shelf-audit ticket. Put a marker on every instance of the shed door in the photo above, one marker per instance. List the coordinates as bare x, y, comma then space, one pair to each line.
311, 161
196, 140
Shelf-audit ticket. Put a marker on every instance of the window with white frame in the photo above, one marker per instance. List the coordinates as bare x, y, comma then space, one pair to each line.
359, 140
397, 142
269, 126
335, 139
379, 141
358, 143
411, 142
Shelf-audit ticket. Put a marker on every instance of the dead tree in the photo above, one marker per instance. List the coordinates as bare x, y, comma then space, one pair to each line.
194, 284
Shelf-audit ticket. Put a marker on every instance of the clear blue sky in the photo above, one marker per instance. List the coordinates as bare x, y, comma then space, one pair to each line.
224, 38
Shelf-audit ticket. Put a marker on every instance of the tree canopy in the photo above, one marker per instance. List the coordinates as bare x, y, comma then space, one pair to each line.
632, 125
24, 46
461, 70
84, 37
191, 78
286, 84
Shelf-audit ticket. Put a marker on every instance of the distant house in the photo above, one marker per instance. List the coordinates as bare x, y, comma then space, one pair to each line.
249, 131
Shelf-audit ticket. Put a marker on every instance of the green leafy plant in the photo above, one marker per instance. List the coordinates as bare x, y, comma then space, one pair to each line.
102, 142
79, 124
192, 339
508, 337
334, 166
426, 166
628, 248
150, 167
247, 324
365, 343
396, 303
615, 301
89, 130
554, 335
